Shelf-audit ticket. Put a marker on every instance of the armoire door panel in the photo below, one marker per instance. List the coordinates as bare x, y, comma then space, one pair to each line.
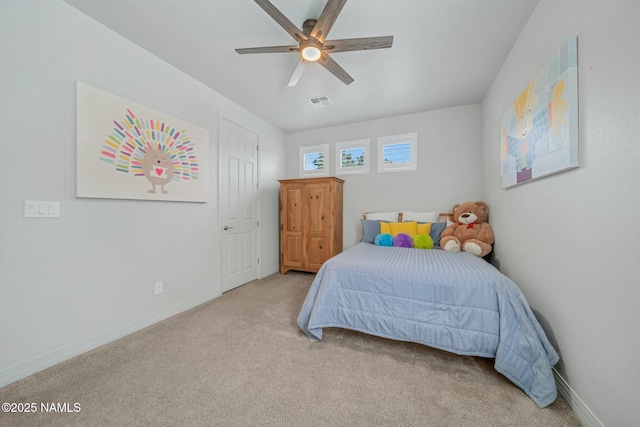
294, 210
317, 252
317, 207
292, 255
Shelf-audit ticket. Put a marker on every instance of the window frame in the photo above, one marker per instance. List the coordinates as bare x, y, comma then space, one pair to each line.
412, 165
365, 144
310, 149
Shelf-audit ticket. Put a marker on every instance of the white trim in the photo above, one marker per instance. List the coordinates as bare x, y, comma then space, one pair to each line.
347, 145
304, 150
398, 139
61, 354
580, 410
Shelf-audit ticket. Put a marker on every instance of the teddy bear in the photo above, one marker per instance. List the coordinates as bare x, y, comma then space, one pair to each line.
470, 231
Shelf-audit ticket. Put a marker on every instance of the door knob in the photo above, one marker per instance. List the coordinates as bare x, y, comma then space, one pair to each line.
226, 227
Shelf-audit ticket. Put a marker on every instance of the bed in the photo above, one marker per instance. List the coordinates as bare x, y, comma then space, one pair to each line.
451, 301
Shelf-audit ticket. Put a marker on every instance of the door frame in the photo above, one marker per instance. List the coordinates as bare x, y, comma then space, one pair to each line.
258, 243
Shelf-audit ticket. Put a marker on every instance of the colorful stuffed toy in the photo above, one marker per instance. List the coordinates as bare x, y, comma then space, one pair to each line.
384, 239
422, 241
470, 231
403, 240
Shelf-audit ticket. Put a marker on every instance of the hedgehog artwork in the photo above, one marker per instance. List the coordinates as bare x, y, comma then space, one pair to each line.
152, 149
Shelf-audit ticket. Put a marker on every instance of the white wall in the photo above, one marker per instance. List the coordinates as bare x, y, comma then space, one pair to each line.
569, 240
73, 283
449, 163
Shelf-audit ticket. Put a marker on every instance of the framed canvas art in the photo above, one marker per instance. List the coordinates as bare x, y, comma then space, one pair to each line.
125, 150
539, 131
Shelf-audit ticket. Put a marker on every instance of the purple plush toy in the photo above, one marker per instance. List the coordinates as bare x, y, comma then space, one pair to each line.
403, 240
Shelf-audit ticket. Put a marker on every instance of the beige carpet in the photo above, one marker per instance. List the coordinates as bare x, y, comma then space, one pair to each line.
241, 360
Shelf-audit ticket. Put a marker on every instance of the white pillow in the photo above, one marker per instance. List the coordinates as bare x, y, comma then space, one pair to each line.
420, 216
382, 216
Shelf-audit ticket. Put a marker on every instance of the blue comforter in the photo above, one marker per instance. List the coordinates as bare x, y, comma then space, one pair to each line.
452, 301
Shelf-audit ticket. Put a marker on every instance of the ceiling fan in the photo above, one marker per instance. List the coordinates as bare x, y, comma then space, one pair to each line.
312, 45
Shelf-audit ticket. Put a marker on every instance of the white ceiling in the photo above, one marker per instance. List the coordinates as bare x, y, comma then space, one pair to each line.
445, 52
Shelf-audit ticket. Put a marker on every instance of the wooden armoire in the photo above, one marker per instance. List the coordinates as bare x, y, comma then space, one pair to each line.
310, 222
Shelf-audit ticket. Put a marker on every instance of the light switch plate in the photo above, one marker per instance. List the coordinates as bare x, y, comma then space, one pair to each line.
39, 209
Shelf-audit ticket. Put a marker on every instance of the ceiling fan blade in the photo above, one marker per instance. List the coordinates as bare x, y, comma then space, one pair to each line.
269, 49
282, 20
327, 18
364, 43
297, 72
327, 62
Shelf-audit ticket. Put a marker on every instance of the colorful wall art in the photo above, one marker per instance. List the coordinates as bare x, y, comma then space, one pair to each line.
539, 134
129, 151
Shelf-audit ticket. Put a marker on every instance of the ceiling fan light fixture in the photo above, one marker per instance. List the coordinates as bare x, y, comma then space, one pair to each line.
311, 51
312, 45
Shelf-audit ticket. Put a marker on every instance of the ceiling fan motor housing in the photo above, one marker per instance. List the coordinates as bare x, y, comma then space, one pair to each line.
308, 25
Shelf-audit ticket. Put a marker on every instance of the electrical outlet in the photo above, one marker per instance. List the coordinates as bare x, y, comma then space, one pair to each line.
159, 288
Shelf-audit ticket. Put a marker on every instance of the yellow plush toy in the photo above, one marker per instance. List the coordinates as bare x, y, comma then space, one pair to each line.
470, 232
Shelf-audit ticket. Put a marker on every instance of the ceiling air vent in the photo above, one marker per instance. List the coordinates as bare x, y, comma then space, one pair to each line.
320, 101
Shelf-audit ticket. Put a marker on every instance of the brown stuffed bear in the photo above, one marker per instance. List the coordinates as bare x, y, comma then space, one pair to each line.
470, 232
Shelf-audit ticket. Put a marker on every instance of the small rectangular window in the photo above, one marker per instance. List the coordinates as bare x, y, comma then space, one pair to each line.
397, 153
352, 157
314, 160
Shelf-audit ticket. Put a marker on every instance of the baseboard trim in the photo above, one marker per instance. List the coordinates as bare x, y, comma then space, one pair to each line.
581, 411
54, 357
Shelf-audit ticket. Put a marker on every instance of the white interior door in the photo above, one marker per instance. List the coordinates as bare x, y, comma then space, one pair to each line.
238, 202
